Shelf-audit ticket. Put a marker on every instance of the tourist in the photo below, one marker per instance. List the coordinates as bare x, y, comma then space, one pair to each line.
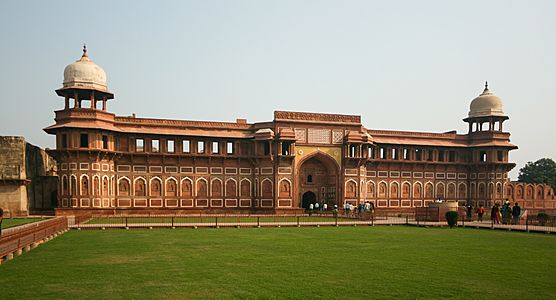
372, 207
317, 206
346, 208
506, 213
495, 214
480, 213
324, 207
516, 211
469, 212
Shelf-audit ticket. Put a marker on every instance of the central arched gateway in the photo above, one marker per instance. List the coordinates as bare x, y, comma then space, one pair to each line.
317, 175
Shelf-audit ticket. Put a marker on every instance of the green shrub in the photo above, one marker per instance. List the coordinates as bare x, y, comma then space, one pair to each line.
452, 218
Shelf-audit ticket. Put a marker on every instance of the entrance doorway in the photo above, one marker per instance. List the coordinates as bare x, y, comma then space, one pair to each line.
317, 180
308, 198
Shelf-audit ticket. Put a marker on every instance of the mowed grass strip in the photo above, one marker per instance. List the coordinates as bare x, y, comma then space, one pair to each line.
327, 262
6, 223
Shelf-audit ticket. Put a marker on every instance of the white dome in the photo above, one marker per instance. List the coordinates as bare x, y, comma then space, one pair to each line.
486, 104
85, 74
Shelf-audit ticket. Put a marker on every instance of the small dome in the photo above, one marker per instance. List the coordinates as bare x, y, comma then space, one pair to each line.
486, 104
85, 74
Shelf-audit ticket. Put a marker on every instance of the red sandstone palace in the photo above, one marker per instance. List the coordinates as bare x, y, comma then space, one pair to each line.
111, 163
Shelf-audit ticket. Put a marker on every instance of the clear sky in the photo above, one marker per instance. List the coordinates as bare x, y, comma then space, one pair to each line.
403, 65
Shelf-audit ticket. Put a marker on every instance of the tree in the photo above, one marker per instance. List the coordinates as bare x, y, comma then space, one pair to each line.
541, 171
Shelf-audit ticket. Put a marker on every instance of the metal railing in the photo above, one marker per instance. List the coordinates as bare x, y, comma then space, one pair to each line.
237, 220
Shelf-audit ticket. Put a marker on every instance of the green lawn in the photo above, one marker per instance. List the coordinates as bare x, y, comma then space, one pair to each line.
18, 221
328, 262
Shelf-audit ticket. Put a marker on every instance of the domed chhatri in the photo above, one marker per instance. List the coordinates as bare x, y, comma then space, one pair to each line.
85, 74
486, 104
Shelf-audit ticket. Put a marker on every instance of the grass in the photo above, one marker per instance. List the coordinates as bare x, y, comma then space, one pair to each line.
6, 223
328, 262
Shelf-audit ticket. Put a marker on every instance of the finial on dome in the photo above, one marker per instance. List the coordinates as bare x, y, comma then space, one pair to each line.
84, 50
486, 85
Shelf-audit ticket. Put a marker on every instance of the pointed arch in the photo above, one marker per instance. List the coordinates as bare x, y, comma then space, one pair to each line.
186, 187
481, 189
124, 186
519, 191
429, 190
267, 189
417, 190
509, 190
490, 194
499, 190
351, 188
140, 187
284, 188
382, 190
231, 188
105, 185
451, 190
473, 190
171, 187
216, 187
73, 185
406, 190
540, 192
530, 191
440, 190
394, 190
371, 189
96, 185
245, 188
155, 186
201, 187
85, 185
462, 190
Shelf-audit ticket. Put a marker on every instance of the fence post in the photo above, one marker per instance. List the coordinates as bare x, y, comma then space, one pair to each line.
372, 219
258, 221
406, 220
336, 220
216, 221
126, 222
297, 221
527, 223
172, 221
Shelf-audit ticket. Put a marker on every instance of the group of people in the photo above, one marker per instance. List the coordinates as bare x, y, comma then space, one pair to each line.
317, 207
361, 208
505, 214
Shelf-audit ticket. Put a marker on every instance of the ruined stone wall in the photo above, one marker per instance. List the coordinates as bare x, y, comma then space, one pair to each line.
28, 181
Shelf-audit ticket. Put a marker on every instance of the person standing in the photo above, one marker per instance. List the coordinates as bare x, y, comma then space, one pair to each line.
516, 211
507, 213
469, 212
325, 207
480, 213
317, 206
495, 214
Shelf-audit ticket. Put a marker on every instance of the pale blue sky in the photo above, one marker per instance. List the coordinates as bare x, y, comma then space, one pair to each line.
404, 65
